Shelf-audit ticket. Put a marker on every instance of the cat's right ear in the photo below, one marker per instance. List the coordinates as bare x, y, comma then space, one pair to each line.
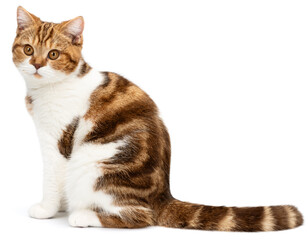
25, 19
73, 29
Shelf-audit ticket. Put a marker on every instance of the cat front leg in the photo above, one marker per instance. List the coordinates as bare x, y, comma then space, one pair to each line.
54, 168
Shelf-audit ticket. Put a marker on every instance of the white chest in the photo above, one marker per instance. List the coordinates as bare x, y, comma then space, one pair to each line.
53, 111
54, 107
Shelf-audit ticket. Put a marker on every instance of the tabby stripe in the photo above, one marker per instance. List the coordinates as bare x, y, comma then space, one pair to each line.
42, 31
46, 31
38, 33
16, 46
49, 35
268, 222
195, 222
117, 192
291, 216
248, 218
135, 110
129, 199
227, 223
211, 216
122, 181
280, 215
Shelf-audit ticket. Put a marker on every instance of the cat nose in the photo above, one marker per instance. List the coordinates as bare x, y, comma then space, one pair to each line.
37, 65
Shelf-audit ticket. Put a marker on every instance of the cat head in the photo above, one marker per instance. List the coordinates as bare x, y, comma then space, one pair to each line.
46, 52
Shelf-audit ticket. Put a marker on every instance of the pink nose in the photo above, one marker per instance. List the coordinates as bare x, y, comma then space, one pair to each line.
37, 66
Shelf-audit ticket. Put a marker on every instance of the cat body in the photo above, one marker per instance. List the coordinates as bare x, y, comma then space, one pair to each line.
106, 152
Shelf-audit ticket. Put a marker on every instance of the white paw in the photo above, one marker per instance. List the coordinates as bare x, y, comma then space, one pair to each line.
40, 212
84, 218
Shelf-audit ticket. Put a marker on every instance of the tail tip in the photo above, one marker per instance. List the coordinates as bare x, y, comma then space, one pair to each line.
295, 216
287, 217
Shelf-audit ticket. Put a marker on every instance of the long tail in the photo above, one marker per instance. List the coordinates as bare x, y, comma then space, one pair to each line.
179, 214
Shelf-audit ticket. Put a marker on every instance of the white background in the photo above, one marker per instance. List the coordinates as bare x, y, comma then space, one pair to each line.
230, 79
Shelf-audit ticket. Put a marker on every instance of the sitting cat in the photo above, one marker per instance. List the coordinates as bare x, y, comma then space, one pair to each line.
105, 150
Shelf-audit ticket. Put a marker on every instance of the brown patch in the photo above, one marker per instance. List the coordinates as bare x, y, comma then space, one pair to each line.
29, 101
66, 142
139, 174
84, 69
248, 219
130, 217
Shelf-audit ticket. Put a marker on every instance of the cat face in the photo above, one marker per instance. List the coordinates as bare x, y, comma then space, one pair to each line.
46, 52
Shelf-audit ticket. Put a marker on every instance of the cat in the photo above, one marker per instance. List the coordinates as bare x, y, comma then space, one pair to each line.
106, 152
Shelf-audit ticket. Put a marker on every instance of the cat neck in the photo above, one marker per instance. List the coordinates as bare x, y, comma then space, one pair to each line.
62, 101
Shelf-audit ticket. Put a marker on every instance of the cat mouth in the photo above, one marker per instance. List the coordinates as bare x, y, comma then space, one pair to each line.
37, 75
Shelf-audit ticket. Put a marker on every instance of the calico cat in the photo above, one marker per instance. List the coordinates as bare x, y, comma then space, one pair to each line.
105, 150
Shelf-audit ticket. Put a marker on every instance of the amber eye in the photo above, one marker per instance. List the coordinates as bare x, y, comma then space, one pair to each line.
28, 50
53, 54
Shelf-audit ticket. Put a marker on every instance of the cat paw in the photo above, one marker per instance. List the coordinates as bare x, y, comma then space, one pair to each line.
84, 218
41, 212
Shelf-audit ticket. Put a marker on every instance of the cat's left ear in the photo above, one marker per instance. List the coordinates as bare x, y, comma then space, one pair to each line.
74, 29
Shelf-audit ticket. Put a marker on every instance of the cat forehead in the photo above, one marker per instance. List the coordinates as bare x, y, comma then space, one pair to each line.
45, 34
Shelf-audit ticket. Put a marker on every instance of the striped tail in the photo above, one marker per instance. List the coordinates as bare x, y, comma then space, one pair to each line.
177, 214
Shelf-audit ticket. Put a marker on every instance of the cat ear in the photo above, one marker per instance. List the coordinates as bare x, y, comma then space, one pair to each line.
25, 19
74, 29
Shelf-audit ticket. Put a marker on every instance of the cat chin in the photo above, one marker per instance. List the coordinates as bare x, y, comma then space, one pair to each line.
37, 80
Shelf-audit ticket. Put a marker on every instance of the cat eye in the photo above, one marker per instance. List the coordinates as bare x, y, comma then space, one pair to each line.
28, 50
53, 54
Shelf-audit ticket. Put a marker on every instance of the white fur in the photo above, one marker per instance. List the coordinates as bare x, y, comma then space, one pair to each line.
83, 170
57, 99
83, 129
84, 218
